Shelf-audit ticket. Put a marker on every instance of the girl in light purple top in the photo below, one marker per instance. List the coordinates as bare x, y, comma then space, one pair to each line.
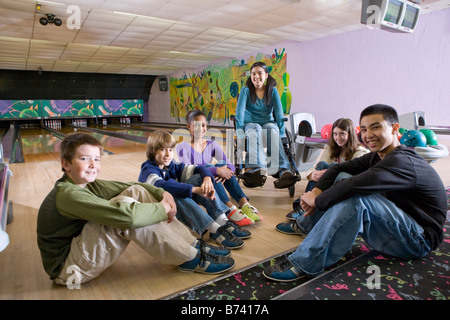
203, 152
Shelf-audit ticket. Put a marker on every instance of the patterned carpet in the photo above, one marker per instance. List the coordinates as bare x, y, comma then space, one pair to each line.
250, 284
421, 279
362, 274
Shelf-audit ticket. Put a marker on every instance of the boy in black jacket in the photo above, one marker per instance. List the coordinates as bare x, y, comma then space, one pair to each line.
391, 196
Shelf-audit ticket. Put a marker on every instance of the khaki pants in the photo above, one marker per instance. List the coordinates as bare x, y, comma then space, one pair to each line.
98, 246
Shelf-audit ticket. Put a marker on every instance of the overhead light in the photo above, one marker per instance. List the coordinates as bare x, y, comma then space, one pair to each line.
131, 14
49, 2
50, 18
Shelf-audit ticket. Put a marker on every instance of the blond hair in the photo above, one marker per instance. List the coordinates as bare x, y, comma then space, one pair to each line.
157, 140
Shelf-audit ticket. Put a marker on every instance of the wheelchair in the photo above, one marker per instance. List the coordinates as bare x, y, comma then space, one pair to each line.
257, 179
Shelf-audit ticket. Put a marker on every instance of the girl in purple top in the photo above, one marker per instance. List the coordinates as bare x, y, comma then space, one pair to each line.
202, 152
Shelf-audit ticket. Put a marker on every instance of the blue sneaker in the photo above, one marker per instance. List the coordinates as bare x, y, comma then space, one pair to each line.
294, 214
215, 250
283, 271
236, 230
289, 228
207, 263
226, 238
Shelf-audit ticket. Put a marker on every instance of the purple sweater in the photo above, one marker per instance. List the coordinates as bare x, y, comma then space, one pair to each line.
187, 154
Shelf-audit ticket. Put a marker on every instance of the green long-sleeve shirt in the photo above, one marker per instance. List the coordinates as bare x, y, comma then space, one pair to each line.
68, 207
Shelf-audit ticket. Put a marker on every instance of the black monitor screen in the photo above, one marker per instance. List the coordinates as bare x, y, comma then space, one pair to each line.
393, 11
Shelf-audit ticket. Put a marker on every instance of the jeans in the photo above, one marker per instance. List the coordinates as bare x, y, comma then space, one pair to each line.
256, 157
331, 233
192, 215
321, 165
231, 185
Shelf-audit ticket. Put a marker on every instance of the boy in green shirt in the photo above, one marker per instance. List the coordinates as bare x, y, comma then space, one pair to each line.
85, 224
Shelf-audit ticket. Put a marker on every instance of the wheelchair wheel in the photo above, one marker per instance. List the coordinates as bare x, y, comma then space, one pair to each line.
291, 156
292, 191
289, 136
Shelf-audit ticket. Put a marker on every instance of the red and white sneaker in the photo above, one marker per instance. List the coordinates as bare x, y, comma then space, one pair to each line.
239, 218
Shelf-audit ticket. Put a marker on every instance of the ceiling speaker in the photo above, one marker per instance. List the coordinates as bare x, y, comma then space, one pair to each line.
163, 85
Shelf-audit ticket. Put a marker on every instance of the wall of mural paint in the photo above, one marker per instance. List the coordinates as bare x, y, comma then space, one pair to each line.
215, 89
36, 109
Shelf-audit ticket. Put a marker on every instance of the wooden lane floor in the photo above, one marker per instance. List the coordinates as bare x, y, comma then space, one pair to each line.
117, 145
179, 130
41, 145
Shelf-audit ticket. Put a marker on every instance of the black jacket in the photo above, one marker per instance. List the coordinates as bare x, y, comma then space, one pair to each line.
403, 177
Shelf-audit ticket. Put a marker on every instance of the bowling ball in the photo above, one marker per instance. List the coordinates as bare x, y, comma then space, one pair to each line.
431, 136
326, 131
414, 138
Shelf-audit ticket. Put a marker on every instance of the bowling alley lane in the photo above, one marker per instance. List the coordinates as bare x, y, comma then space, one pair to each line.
39, 144
111, 143
179, 131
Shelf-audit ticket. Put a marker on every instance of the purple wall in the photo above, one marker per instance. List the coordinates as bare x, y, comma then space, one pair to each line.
338, 76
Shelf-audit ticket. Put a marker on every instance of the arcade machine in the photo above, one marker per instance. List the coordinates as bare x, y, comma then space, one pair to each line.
422, 138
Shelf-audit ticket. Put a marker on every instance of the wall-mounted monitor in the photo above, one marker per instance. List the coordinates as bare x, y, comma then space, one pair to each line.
410, 16
390, 15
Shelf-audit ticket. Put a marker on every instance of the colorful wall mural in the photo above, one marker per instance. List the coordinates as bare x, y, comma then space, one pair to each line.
215, 89
36, 109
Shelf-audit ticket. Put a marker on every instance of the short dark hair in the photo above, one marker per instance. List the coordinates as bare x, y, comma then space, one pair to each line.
388, 112
73, 141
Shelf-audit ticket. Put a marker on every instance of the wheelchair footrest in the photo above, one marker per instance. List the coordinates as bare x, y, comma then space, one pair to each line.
286, 183
253, 180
